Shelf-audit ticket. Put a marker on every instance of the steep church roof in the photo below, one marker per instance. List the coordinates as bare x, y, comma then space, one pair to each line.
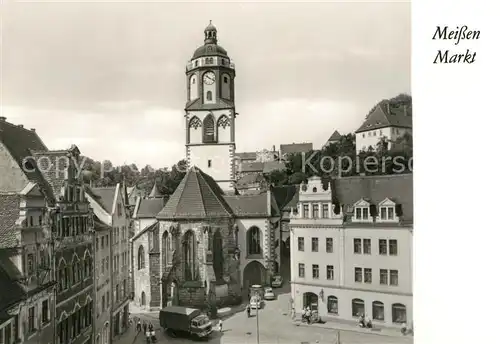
197, 197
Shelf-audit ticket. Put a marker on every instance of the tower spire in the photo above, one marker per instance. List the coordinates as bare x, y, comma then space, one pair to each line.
210, 34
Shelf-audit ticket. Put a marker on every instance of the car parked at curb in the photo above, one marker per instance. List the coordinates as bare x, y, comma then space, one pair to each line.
277, 281
269, 294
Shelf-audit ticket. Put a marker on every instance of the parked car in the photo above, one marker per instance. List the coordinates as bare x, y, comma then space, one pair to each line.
277, 282
269, 294
257, 290
255, 302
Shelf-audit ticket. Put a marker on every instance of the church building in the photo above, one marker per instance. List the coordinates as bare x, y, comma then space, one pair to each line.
207, 244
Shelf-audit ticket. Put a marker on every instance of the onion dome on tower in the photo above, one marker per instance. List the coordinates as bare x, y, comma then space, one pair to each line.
210, 48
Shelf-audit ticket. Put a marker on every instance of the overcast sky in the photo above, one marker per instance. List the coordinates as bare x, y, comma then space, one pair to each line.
110, 77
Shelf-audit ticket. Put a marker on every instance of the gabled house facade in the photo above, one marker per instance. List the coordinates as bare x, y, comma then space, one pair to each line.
27, 272
385, 121
351, 248
53, 239
108, 204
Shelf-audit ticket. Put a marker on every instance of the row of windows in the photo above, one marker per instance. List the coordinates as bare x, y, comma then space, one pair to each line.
36, 318
364, 246
361, 246
123, 257
119, 235
210, 60
120, 294
386, 277
325, 210
209, 132
315, 244
71, 226
70, 328
361, 275
378, 309
31, 222
374, 133
104, 243
74, 193
315, 271
70, 275
386, 213
32, 262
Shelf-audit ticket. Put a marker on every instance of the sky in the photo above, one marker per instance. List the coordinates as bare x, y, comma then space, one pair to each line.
110, 77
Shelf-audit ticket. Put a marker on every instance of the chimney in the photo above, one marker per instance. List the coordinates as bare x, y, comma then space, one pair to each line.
3, 119
274, 148
20, 126
33, 129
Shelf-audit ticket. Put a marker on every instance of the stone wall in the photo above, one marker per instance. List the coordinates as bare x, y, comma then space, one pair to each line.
196, 293
155, 280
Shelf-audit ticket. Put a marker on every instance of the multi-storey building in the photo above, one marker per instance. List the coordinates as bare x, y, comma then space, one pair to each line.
27, 272
72, 233
109, 207
351, 248
385, 121
102, 282
52, 240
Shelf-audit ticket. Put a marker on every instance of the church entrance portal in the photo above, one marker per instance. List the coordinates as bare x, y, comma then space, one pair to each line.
254, 273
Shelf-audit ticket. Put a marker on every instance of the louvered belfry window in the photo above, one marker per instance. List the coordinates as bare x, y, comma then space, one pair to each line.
208, 129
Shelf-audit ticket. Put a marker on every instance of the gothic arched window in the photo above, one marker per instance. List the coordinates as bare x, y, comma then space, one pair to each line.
141, 264
61, 275
77, 272
218, 255
189, 256
165, 246
253, 241
208, 129
209, 95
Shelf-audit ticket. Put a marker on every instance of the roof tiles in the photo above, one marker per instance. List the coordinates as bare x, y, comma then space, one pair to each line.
385, 115
9, 213
197, 196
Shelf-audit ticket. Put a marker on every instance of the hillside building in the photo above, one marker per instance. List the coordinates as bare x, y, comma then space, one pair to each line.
385, 121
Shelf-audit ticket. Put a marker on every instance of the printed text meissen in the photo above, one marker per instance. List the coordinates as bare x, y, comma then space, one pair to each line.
457, 35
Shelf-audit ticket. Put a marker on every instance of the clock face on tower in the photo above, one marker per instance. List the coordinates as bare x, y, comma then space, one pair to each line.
209, 78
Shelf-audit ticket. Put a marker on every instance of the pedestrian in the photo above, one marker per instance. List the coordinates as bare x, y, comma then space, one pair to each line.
138, 326
145, 327
150, 327
219, 325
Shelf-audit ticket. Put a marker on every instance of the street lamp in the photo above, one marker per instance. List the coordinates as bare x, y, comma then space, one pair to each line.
257, 317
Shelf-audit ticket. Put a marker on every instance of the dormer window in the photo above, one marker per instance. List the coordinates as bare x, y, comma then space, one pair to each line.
387, 211
362, 211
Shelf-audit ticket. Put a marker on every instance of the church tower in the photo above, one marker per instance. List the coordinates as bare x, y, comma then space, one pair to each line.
210, 112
